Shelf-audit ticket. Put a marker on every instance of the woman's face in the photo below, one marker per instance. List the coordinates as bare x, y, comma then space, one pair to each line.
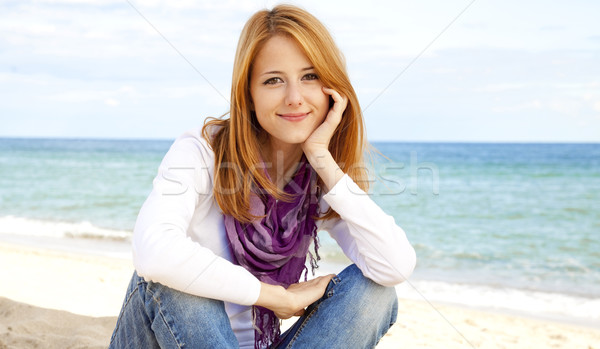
286, 93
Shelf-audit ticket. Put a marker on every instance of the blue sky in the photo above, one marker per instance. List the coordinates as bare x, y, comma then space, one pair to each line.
508, 71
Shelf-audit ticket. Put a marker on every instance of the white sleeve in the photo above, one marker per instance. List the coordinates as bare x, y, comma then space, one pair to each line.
368, 236
162, 251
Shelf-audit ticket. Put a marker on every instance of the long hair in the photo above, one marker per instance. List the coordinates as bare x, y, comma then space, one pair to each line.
235, 140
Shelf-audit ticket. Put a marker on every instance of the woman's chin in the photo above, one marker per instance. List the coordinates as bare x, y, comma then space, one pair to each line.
291, 139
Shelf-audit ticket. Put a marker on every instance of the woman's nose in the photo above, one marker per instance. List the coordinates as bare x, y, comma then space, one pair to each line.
293, 95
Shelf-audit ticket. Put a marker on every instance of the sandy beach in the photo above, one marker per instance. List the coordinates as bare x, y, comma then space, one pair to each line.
59, 299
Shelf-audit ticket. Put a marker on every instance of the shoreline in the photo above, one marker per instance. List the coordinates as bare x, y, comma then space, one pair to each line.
72, 298
73, 281
512, 310
113, 249
406, 291
100, 247
563, 305
524, 315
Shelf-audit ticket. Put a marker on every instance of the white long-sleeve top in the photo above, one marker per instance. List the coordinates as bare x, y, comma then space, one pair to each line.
179, 238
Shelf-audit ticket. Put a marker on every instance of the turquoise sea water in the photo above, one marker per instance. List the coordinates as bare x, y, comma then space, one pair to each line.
522, 217
519, 215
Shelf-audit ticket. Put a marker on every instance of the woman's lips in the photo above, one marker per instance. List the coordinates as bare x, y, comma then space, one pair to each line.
293, 116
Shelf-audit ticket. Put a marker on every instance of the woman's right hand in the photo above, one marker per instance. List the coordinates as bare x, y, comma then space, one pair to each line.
292, 301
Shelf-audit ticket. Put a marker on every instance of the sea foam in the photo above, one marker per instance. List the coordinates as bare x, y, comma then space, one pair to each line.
58, 229
547, 305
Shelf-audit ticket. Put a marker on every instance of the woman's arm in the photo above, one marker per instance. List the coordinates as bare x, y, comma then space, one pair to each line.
162, 250
316, 147
368, 236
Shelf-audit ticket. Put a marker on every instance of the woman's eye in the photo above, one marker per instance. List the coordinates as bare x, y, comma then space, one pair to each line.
272, 81
311, 76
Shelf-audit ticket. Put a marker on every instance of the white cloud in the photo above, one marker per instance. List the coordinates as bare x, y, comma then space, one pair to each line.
111, 102
520, 107
503, 87
79, 55
108, 97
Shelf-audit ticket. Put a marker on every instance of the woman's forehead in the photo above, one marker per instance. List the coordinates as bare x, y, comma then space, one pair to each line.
278, 54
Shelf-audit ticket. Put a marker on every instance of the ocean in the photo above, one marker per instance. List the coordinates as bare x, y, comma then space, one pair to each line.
510, 227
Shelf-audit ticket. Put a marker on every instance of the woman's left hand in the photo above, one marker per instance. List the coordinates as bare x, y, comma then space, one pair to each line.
318, 141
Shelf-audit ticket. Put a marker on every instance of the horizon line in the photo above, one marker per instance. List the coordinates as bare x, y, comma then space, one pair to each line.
369, 140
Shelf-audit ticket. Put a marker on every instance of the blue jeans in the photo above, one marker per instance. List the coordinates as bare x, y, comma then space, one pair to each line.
354, 312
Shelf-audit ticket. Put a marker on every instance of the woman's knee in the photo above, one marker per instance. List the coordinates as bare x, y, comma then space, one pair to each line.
355, 312
353, 276
372, 297
183, 307
133, 327
172, 317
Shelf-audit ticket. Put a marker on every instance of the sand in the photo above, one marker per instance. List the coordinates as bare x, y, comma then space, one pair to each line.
58, 299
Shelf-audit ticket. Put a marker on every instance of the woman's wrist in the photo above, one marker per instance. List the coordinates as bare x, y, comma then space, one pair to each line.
272, 296
324, 164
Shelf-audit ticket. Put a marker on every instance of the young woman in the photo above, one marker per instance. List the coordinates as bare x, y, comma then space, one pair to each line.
221, 243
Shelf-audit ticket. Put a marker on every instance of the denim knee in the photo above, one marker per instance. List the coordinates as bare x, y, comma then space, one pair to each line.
354, 312
365, 291
158, 315
133, 327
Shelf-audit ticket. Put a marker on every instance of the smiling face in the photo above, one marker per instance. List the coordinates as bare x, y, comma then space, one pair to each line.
286, 93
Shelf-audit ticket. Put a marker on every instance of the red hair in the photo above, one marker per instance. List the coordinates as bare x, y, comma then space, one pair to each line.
235, 140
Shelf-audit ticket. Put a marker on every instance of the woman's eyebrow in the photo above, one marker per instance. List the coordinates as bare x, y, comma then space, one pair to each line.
280, 72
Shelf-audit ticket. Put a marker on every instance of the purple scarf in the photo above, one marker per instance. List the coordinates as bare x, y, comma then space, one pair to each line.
274, 248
